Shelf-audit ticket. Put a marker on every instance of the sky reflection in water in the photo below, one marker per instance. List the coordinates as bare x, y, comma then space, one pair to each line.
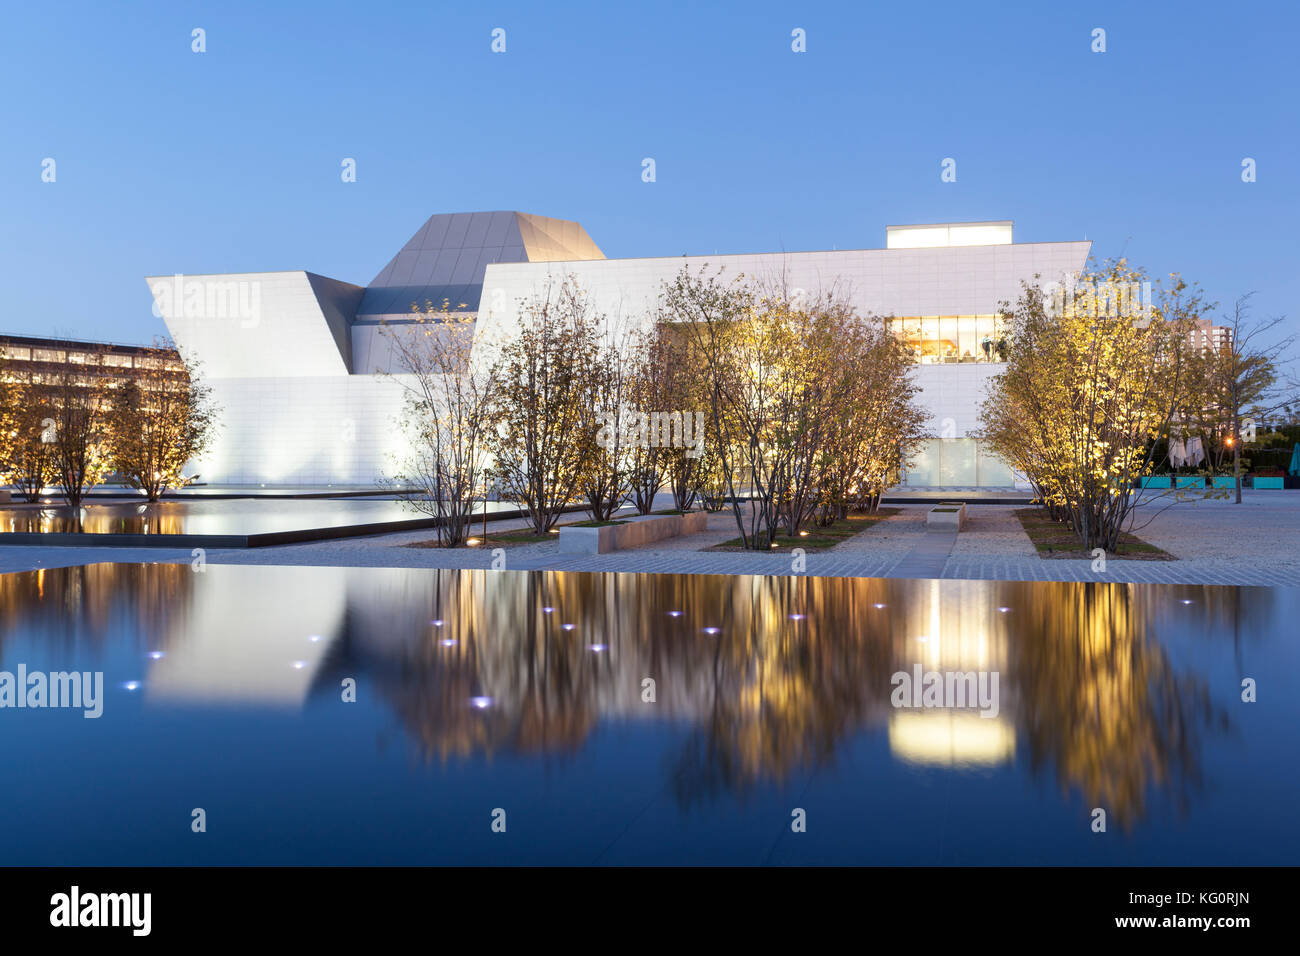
524, 691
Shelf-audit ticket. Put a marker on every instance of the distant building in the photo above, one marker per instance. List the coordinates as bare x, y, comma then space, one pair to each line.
297, 362
1208, 336
38, 361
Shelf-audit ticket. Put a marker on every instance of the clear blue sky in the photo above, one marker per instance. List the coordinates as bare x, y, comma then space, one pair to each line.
171, 161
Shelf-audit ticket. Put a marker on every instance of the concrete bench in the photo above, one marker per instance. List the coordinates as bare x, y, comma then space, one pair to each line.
946, 517
631, 532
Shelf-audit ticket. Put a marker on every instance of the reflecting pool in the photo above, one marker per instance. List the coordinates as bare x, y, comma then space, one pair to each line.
244, 517
616, 719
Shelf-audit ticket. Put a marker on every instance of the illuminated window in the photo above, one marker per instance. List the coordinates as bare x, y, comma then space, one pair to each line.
949, 339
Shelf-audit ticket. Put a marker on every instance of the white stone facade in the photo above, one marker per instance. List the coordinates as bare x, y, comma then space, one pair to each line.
297, 367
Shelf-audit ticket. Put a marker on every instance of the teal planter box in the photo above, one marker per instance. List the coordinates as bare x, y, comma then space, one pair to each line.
1191, 481
1271, 484
1156, 481
1224, 481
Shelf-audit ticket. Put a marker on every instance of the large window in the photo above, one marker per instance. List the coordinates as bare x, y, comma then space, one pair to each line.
952, 338
957, 463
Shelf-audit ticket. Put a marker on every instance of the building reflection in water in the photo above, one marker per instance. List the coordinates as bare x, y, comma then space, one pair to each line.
773, 675
142, 518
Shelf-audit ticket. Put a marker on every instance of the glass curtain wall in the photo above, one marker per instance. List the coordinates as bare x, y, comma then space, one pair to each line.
952, 338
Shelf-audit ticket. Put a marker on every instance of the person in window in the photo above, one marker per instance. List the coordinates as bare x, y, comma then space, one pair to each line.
986, 344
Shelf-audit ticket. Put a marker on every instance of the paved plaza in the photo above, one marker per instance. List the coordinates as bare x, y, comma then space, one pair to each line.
1215, 542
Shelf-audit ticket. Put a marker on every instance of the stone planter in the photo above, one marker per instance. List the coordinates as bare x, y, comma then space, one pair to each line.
1262, 483
630, 533
1191, 481
1223, 481
1155, 481
946, 518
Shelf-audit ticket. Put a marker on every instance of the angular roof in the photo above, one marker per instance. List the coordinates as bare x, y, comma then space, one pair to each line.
448, 256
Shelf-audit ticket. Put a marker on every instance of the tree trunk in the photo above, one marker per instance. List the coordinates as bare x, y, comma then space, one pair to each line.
1236, 468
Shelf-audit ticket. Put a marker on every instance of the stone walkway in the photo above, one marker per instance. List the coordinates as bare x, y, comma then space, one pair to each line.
1216, 543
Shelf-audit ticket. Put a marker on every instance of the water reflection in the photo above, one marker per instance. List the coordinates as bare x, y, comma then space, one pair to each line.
766, 678
231, 517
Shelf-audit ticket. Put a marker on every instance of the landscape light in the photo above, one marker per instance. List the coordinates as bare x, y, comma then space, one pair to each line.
482, 703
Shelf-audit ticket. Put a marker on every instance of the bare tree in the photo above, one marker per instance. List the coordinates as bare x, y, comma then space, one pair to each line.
1243, 379
447, 415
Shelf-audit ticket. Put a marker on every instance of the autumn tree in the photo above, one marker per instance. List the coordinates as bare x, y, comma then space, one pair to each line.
739, 343
875, 424
541, 440
1091, 384
158, 419
610, 448
655, 369
78, 428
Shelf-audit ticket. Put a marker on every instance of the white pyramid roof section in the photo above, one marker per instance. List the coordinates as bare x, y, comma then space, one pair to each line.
447, 257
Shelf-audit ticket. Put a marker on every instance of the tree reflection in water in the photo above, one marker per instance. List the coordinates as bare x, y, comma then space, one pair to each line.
797, 668
1087, 689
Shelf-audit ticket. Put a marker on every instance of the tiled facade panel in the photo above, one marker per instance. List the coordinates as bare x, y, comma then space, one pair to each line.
286, 335
316, 431
953, 394
948, 281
